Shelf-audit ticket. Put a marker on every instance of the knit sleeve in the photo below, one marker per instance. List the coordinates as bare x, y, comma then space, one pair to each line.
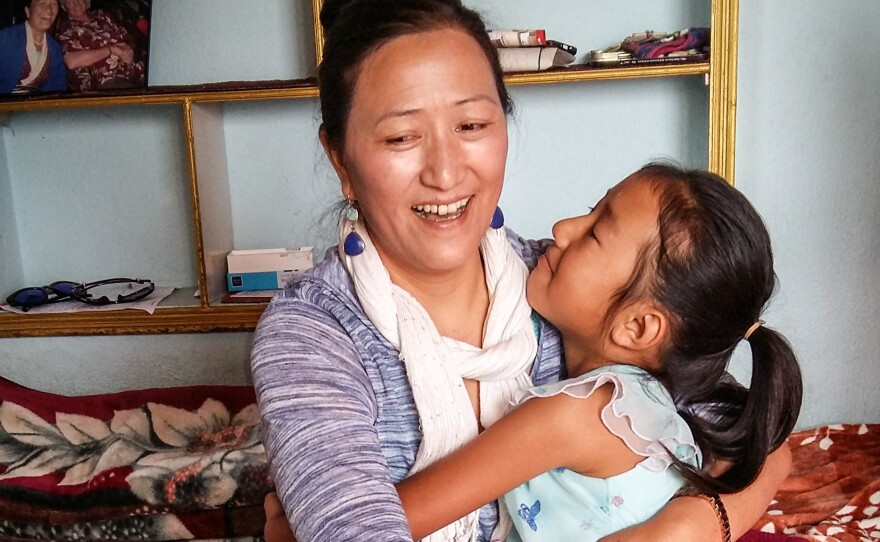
528, 249
318, 414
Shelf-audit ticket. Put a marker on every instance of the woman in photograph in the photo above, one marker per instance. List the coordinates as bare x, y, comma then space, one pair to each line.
100, 53
30, 59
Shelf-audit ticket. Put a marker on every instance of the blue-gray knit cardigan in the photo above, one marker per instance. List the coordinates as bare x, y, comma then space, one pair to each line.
338, 417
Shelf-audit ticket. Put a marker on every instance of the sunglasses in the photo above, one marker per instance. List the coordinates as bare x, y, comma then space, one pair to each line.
88, 293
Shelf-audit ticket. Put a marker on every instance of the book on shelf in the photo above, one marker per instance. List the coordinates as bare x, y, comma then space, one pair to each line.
600, 59
250, 296
518, 38
532, 59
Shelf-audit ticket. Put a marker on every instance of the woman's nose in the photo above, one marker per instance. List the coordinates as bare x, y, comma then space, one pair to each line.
444, 162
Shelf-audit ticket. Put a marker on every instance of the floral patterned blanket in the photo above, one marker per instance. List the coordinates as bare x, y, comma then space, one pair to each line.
187, 463
163, 464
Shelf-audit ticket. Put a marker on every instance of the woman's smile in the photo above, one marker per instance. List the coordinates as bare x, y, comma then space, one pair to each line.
442, 211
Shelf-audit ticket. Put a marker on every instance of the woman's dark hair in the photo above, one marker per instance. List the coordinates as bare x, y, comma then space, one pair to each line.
711, 270
355, 28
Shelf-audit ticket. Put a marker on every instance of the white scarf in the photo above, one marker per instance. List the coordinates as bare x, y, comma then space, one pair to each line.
35, 58
436, 365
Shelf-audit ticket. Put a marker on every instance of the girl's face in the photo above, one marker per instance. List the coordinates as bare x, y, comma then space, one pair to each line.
425, 151
593, 257
41, 14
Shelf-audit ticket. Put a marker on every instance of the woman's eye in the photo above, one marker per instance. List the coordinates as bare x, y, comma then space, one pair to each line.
469, 127
400, 140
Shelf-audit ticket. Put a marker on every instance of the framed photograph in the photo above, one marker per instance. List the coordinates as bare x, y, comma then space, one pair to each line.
73, 47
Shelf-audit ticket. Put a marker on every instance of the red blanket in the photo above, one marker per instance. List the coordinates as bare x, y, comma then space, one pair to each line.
833, 493
158, 464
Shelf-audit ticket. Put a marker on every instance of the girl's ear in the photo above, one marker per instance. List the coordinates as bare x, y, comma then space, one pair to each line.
640, 330
338, 163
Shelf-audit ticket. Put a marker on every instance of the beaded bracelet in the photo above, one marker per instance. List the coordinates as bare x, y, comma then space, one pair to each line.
717, 506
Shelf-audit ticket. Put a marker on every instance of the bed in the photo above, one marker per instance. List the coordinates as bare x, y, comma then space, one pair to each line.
187, 463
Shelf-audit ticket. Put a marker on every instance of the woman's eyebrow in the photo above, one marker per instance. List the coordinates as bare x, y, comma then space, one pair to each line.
477, 98
397, 113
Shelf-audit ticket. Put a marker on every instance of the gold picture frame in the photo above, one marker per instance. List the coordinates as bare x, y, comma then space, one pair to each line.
319, 30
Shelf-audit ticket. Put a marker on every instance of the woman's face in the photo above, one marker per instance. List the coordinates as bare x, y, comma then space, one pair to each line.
592, 258
425, 150
75, 8
41, 14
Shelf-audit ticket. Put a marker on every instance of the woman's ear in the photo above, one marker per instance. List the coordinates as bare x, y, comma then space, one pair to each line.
640, 329
338, 163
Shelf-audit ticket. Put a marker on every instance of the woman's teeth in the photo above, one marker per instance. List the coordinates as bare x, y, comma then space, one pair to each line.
442, 210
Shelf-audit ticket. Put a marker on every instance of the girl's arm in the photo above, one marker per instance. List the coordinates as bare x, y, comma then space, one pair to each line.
539, 435
691, 518
560, 431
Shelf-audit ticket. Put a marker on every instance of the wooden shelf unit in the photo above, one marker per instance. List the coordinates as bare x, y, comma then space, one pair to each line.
195, 101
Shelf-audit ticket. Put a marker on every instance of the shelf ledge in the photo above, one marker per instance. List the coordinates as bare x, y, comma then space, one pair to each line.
128, 322
307, 88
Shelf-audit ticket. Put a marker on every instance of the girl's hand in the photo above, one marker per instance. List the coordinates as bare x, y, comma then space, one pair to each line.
684, 518
277, 528
692, 518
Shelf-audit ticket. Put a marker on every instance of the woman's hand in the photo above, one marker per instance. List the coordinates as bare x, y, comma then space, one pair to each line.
277, 528
123, 51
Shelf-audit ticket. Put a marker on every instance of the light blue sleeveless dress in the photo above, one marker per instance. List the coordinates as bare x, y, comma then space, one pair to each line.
564, 505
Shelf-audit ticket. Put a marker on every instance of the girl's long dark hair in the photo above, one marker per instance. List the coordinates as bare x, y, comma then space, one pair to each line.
712, 272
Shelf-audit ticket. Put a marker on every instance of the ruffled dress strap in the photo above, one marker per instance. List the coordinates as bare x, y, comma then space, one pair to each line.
641, 412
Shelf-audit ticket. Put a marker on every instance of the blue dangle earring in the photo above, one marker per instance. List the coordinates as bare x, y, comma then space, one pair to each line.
353, 244
497, 219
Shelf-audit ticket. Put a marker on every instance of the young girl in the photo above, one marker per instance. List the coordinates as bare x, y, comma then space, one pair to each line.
652, 291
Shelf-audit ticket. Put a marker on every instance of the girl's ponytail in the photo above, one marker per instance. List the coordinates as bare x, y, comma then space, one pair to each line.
771, 406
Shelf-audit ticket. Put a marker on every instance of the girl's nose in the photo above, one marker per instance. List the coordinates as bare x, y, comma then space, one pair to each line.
567, 229
562, 232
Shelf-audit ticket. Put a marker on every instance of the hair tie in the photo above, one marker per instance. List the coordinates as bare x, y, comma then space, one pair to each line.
752, 329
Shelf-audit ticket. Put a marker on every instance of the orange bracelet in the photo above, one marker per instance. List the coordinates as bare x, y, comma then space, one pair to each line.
717, 507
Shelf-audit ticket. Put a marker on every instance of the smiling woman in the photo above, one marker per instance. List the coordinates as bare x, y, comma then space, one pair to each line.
101, 53
30, 59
